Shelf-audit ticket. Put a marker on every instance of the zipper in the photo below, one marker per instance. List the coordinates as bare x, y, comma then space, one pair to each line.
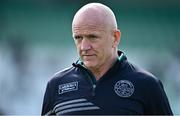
90, 76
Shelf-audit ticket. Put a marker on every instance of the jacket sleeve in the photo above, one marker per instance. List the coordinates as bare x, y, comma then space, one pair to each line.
158, 103
47, 106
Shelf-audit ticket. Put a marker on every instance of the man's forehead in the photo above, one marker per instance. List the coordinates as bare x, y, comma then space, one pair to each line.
88, 28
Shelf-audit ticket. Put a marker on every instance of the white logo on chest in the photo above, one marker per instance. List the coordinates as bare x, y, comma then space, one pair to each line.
67, 87
124, 88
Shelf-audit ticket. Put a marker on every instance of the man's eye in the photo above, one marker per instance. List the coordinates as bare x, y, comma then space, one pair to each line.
92, 36
78, 37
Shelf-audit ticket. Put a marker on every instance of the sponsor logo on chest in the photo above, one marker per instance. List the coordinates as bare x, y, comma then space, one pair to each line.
67, 87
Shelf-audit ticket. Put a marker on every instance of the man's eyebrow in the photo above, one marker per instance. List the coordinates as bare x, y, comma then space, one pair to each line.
88, 35
92, 35
76, 35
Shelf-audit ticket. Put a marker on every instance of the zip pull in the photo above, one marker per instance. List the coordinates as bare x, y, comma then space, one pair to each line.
93, 91
94, 87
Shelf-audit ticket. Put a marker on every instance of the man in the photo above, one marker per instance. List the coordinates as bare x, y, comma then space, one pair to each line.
102, 81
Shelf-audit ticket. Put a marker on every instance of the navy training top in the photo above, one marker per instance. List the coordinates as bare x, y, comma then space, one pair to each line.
123, 89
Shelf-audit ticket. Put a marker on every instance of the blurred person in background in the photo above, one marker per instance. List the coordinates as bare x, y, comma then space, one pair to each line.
102, 81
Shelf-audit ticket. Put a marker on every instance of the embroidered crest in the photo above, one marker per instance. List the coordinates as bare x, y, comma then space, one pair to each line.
124, 88
67, 87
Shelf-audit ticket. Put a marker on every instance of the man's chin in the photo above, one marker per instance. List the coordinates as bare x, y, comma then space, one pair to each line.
89, 64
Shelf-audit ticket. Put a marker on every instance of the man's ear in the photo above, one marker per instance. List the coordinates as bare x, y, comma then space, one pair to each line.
117, 37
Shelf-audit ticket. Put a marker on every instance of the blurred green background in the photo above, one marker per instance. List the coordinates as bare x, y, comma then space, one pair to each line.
36, 41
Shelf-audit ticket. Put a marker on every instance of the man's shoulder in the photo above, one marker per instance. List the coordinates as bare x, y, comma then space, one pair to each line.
62, 74
142, 75
143, 79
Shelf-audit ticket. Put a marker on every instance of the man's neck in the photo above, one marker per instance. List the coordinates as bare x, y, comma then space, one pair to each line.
101, 70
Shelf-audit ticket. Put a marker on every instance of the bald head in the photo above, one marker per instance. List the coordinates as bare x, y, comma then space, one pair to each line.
95, 14
96, 36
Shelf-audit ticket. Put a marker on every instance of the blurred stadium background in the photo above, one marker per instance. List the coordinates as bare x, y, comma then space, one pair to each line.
36, 42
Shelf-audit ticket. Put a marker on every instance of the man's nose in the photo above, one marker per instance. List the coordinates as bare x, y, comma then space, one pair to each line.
85, 44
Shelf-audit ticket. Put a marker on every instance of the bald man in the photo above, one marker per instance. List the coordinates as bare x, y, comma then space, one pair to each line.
102, 81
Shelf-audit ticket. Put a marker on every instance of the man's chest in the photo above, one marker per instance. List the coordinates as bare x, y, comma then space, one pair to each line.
79, 97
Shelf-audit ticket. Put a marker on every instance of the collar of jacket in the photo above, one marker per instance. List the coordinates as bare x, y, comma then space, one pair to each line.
90, 75
121, 57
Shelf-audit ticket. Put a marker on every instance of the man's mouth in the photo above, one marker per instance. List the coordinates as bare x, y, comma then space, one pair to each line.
87, 56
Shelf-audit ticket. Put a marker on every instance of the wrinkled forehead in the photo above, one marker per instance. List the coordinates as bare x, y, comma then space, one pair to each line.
89, 29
